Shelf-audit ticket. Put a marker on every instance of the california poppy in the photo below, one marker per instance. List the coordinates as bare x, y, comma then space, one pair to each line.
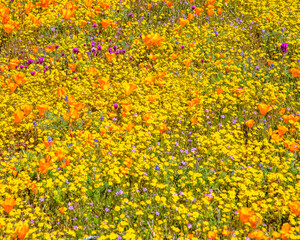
245, 214
62, 210
60, 92
44, 166
264, 108
295, 208
21, 231
105, 23
129, 88
249, 123
42, 109
27, 109
183, 22
19, 116
8, 204
212, 234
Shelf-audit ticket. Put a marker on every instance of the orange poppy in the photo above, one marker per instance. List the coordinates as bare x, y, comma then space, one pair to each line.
212, 234
220, 11
193, 120
225, 233
8, 204
276, 235
282, 129
44, 166
152, 98
183, 22
255, 221
210, 12
129, 88
219, 91
129, 126
72, 66
110, 56
190, 17
27, 109
60, 92
199, 11
105, 23
295, 208
19, 116
245, 214
264, 108
169, 3
163, 127
249, 123
42, 109
104, 83
128, 162
22, 231
187, 62
62, 210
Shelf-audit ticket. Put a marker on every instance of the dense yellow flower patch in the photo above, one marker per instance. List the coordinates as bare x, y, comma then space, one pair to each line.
149, 119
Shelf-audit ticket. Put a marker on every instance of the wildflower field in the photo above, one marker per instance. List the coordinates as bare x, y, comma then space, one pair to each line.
149, 119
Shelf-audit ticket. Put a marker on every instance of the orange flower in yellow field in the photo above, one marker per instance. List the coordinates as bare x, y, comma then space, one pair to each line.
282, 111
249, 123
44, 166
163, 127
88, 3
110, 56
245, 214
148, 118
169, 3
105, 23
152, 98
276, 235
19, 116
193, 102
295, 208
22, 231
210, 12
193, 120
129, 88
60, 92
255, 221
225, 233
62, 210
285, 231
104, 83
128, 162
153, 40
187, 62
212, 234
199, 11
190, 17
69, 11
282, 129
258, 234
42, 109
72, 66
8, 204
220, 11
27, 109
183, 22
219, 91
129, 126
264, 108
